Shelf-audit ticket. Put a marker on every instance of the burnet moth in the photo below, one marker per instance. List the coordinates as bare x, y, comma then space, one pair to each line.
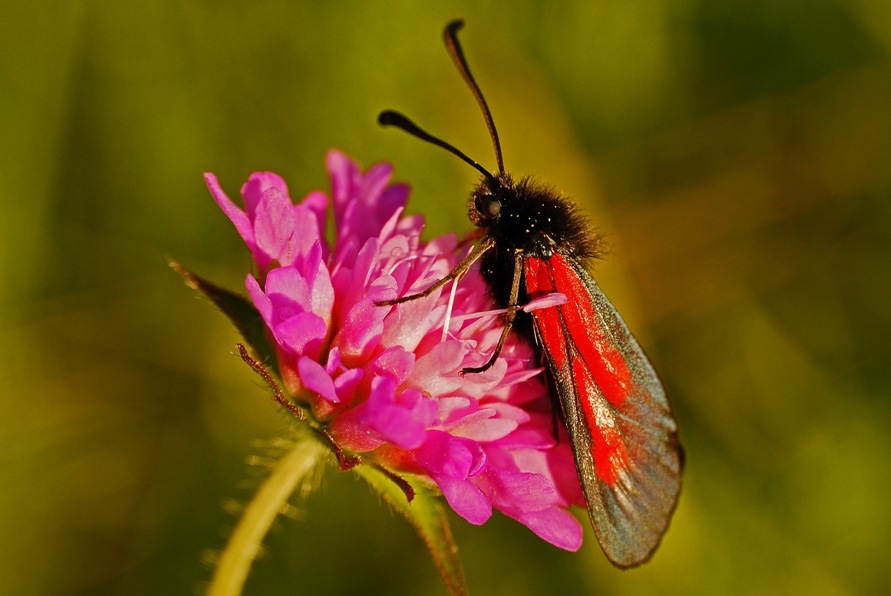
624, 438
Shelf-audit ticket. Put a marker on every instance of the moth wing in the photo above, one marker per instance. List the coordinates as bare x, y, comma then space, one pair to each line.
623, 433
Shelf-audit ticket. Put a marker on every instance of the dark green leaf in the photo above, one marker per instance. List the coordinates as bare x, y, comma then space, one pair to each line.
240, 311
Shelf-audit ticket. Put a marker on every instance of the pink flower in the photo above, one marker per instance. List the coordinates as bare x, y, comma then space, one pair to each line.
386, 380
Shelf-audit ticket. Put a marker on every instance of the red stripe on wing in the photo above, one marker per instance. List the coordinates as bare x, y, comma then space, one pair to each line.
571, 337
606, 362
607, 445
538, 283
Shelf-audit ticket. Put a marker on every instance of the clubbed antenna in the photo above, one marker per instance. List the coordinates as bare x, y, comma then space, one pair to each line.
451, 40
391, 118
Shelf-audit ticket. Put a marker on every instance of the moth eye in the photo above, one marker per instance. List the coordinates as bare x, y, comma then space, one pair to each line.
494, 207
488, 206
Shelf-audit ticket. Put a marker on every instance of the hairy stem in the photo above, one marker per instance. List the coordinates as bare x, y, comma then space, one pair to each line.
244, 543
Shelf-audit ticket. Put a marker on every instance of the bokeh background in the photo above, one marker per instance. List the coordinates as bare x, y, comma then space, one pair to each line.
736, 153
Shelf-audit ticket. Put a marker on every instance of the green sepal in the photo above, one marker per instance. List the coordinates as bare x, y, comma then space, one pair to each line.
240, 311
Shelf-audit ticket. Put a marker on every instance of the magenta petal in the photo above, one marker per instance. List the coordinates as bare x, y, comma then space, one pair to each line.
334, 362
521, 491
306, 231
483, 426
395, 362
398, 425
436, 372
510, 412
443, 454
350, 279
361, 330
466, 499
314, 378
365, 265
555, 525
316, 203
319, 280
301, 333
362, 202
263, 187
546, 301
452, 409
412, 321
344, 174
395, 197
260, 300
375, 180
528, 437
393, 245
274, 227
347, 383
233, 212
288, 290
351, 432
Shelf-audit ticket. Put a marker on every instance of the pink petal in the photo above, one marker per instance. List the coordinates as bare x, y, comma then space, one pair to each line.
351, 432
301, 334
375, 180
483, 426
466, 499
395, 362
263, 186
520, 491
555, 525
314, 378
288, 290
316, 203
408, 323
307, 231
546, 301
273, 217
436, 372
260, 300
361, 330
346, 384
238, 217
398, 425
446, 455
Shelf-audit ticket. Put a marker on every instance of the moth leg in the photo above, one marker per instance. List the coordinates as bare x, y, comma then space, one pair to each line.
509, 316
456, 273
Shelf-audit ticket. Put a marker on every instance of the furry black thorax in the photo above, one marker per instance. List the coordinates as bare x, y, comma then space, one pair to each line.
530, 218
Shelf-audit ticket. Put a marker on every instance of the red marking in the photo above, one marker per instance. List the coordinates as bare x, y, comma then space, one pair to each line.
539, 283
598, 368
607, 446
607, 363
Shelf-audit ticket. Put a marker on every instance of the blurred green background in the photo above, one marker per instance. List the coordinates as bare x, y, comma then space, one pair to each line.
737, 154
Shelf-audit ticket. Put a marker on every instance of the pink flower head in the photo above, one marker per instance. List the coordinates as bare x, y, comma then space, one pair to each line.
386, 380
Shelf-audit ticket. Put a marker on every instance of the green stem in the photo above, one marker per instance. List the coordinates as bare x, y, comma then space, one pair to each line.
236, 559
